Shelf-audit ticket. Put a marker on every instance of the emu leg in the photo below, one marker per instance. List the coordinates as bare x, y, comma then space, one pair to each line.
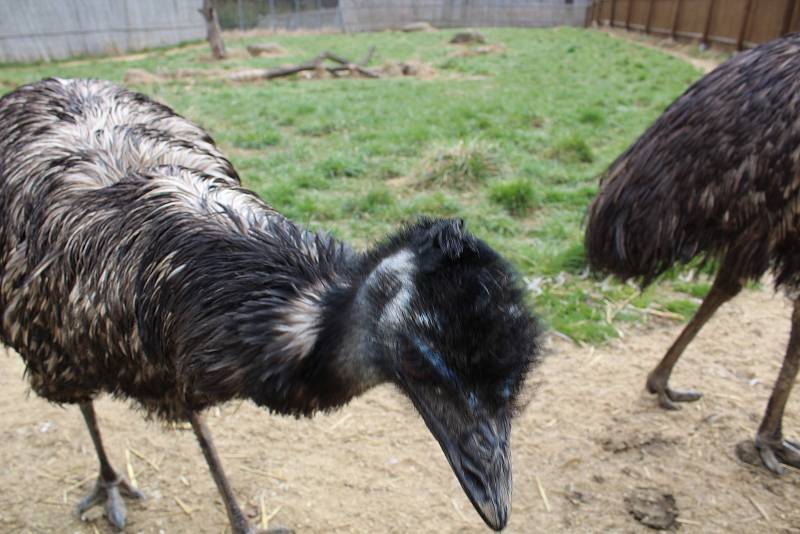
773, 449
724, 288
110, 487
239, 523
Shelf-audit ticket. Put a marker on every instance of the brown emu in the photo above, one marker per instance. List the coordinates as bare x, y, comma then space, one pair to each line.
133, 263
716, 176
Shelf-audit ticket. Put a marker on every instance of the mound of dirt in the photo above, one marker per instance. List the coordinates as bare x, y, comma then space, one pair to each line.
417, 27
407, 68
469, 37
266, 49
140, 76
480, 50
319, 73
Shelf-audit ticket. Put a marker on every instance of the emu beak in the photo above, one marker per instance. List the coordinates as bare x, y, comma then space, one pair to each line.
482, 464
479, 454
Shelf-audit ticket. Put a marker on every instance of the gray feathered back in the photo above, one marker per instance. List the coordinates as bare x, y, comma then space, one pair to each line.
717, 174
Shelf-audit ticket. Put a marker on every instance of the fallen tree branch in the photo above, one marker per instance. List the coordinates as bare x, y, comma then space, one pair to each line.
350, 65
364, 62
314, 64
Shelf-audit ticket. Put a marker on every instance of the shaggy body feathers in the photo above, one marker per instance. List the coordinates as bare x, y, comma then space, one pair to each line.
717, 174
123, 228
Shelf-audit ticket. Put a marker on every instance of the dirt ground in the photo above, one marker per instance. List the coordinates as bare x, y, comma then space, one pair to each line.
705, 63
588, 439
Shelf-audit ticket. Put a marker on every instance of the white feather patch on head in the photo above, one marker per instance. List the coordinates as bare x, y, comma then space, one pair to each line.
399, 266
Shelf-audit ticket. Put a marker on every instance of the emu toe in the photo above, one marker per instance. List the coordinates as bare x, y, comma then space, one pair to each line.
275, 530
112, 493
777, 454
667, 397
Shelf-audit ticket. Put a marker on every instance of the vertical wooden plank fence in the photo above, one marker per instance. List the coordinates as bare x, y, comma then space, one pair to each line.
726, 24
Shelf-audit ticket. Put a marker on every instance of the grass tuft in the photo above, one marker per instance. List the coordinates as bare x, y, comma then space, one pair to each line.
571, 260
591, 116
572, 149
254, 140
338, 167
465, 164
683, 307
698, 290
517, 196
373, 202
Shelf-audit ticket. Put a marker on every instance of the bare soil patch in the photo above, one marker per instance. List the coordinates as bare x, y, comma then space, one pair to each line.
706, 63
588, 439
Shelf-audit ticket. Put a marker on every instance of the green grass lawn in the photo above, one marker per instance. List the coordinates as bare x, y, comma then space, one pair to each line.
511, 142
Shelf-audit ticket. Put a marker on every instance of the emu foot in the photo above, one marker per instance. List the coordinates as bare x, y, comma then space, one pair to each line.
667, 397
775, 453
112, 493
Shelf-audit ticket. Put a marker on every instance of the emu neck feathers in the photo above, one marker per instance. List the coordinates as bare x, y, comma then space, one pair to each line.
280, 327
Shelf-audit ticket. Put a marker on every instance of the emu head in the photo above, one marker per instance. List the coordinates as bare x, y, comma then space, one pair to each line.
453, 333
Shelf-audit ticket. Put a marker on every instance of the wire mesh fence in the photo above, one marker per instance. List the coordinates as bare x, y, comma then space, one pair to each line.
366, 15
33, 30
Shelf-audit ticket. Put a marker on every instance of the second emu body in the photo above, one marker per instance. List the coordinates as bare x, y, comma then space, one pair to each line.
716, 176
133, 263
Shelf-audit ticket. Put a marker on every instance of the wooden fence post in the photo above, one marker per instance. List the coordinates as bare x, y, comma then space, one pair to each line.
649, 16
708, 22
743, 28
675, 19
788, 15
613, 13
628, 15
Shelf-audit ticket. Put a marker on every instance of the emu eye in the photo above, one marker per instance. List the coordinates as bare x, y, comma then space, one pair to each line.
424, 363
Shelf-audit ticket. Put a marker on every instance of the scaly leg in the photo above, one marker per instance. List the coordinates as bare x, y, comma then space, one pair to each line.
110, 487
773, 449
239, 523
724, 288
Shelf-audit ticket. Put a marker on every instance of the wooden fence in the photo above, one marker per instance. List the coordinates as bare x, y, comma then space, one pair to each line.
726, 23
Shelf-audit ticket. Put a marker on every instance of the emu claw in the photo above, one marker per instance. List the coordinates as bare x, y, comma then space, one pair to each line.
112, 493
774, 454
667, 397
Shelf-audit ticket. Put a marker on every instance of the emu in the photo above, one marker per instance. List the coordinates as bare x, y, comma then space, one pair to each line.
717, 176
133, 263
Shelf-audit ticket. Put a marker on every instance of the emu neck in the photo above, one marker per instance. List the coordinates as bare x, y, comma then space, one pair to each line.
319, 356
297, 340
